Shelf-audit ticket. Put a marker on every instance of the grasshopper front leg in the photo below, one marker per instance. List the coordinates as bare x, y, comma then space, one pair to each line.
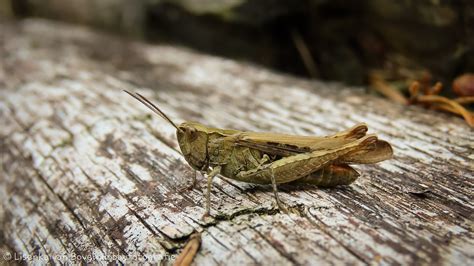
215, 171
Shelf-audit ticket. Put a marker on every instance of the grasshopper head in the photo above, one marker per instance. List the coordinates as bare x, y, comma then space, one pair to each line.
192, 141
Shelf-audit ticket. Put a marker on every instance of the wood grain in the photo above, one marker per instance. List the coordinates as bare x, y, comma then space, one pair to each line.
87, 173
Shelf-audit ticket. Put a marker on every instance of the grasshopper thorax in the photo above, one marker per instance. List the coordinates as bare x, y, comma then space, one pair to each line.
192, 141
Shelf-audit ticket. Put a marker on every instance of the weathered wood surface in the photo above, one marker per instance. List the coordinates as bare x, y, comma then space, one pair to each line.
86, 170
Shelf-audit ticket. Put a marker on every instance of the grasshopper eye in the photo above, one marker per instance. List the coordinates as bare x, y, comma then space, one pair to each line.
192, 134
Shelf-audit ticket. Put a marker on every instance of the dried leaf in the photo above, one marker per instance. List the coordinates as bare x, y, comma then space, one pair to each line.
465, 100
414, 90
446, 104
189, 252
385, 89
436, 89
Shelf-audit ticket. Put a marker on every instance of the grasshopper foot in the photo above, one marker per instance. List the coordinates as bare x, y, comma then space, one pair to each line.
282, 206
207, 217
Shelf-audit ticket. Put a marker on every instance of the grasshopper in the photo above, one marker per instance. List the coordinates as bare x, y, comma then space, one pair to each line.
270, 158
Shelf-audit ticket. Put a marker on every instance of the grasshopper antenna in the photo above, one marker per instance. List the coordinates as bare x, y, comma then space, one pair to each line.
152, 107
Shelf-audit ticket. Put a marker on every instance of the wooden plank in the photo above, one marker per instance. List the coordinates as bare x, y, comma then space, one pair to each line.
88, 174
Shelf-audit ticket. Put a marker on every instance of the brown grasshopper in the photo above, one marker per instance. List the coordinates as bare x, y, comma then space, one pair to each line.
270, 158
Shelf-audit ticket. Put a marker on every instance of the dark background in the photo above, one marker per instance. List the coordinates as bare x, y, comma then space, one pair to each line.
346, 40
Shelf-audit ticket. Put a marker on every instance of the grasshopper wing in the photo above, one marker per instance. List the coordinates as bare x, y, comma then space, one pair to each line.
286, 145
379, 151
